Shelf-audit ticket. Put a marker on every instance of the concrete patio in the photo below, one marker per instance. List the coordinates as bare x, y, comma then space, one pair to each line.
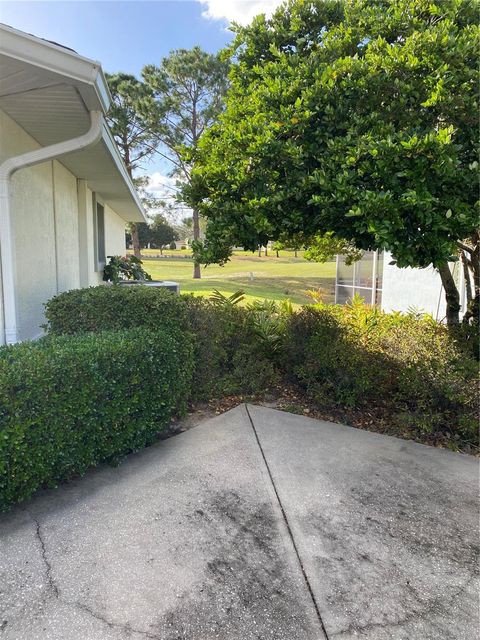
256, 524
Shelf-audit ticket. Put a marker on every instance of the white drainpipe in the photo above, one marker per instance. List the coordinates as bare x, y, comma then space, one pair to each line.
7, 169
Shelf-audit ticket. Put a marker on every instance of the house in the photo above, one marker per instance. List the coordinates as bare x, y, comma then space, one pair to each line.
65, 195
379, 282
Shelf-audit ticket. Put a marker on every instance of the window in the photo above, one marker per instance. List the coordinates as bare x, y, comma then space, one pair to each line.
99, 226
363, 278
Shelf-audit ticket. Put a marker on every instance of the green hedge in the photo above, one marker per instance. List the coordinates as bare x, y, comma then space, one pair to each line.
67, 403
414, 369
417, 373
226, 353
113, 307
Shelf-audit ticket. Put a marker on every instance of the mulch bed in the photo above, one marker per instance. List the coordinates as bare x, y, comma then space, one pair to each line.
292, 399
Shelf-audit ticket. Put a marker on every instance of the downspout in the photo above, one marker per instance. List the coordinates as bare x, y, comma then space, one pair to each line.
7, 169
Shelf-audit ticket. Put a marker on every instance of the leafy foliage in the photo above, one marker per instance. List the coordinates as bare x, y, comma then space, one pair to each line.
358, 118
323, 248
114, 308
219, 299
68, 403
157, 233
121, 268
132, 134
410, 366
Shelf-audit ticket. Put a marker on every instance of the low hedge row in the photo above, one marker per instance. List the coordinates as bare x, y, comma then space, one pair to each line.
70, 402
416, 371
226, 354
110, 308
119, 362
413, 368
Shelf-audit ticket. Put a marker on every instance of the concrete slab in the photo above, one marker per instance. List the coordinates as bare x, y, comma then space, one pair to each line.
256, 525
184, 540
387, 530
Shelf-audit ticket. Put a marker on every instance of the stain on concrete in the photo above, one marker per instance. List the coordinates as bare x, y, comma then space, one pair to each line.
247, 591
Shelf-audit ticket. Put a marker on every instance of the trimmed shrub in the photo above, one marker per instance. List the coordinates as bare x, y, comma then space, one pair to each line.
114, 307
224, 336
412, 368
68, 403
418, 374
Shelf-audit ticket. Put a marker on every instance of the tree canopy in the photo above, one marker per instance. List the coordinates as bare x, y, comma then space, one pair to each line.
133, 134
355, 118
187, 91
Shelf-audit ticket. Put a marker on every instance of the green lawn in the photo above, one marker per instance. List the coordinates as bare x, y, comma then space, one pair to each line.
265, 277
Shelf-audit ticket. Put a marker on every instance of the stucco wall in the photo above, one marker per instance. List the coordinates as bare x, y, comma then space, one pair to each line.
53, 231
32, 210
407, 288
66, 228
114, 233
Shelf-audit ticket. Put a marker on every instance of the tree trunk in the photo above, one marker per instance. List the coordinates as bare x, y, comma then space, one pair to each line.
466, 275
296, 253
472, 263
196, 236
451, 294
259, 250
277, 254
266, 250
135, 240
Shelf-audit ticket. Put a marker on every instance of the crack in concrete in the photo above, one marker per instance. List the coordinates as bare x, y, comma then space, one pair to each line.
51, 583
113, 625
79, 605
414, 615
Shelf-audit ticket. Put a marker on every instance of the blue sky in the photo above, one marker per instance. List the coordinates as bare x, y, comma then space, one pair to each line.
123, 36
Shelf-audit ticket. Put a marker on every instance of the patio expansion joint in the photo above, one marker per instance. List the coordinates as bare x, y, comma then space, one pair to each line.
289, 530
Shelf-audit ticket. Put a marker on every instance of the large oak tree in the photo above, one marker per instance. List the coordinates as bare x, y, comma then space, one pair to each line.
358, 118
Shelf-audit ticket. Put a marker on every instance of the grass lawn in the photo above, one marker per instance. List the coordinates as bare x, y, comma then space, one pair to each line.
266, 277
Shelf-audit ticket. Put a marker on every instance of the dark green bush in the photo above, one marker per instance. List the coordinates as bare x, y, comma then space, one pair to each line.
67, 403
417, 372
114, 307
413, 368
221, 333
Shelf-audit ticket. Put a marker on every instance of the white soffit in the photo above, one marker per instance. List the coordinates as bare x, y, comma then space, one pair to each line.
51, 103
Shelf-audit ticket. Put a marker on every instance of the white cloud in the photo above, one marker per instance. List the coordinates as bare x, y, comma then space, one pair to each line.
241, 11
161, 185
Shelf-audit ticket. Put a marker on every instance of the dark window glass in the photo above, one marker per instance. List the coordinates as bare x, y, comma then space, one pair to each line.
100, 236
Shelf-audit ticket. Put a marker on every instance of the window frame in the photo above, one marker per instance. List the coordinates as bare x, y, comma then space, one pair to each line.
100, 252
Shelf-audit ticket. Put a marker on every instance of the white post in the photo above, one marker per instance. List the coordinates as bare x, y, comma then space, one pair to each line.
336, 277
374, 278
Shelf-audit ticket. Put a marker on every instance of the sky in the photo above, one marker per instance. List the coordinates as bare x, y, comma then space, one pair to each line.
124, 35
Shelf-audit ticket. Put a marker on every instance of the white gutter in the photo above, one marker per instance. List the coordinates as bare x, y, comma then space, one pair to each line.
7, 169
58, 62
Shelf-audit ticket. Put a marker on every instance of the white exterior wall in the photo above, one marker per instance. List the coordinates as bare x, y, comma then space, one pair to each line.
418, 288
114, 233
53, 231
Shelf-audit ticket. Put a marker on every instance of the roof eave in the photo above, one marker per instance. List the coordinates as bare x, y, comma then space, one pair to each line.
114, 152
85, 74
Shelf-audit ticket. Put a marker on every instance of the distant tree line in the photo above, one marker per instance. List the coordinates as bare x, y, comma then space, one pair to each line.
156, 234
